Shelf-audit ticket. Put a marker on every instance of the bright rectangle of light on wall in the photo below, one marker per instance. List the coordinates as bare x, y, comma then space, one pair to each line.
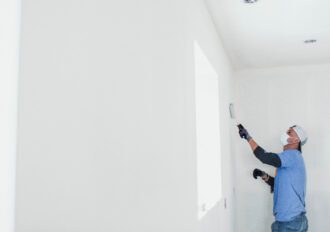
9, 60
207, 133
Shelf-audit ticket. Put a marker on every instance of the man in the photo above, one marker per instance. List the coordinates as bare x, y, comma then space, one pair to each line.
289, 184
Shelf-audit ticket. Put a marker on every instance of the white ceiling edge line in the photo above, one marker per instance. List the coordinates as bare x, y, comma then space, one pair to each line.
309, 65
220, 38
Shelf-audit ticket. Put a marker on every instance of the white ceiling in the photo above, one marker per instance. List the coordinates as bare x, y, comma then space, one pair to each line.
271, 33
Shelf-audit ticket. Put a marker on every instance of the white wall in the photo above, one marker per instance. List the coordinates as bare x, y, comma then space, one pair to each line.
268, 101
202, 30
9, 47
107, 118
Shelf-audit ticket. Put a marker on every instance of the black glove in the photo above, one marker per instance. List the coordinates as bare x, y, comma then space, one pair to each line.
243, 132
257, 172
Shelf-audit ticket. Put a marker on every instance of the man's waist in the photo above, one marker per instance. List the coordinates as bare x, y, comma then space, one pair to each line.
285, 217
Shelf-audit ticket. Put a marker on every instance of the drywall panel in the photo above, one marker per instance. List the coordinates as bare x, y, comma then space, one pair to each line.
107, 138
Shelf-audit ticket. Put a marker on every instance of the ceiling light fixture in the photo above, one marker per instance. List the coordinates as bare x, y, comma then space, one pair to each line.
308, 41
250, 1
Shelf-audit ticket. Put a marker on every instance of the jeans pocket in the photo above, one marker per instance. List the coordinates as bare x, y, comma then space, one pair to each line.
274, 227
295, 225
305, 224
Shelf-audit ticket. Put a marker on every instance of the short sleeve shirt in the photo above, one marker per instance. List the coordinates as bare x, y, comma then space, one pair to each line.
290, 186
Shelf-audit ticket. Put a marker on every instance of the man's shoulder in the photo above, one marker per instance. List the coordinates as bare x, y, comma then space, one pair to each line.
290, 152
289, 157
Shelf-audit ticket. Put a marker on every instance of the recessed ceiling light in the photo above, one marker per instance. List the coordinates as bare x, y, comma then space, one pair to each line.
307, 41
250, 1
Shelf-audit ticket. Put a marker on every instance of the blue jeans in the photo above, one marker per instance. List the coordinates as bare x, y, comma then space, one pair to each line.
298, 224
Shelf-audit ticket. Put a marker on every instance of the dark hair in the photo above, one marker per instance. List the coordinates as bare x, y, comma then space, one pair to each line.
299, 147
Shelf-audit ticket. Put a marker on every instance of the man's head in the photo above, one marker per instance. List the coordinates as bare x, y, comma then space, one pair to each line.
294, 138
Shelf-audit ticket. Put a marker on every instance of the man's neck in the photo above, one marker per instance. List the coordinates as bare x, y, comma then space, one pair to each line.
290, 147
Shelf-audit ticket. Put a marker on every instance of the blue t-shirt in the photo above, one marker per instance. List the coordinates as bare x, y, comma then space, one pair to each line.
290, 186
